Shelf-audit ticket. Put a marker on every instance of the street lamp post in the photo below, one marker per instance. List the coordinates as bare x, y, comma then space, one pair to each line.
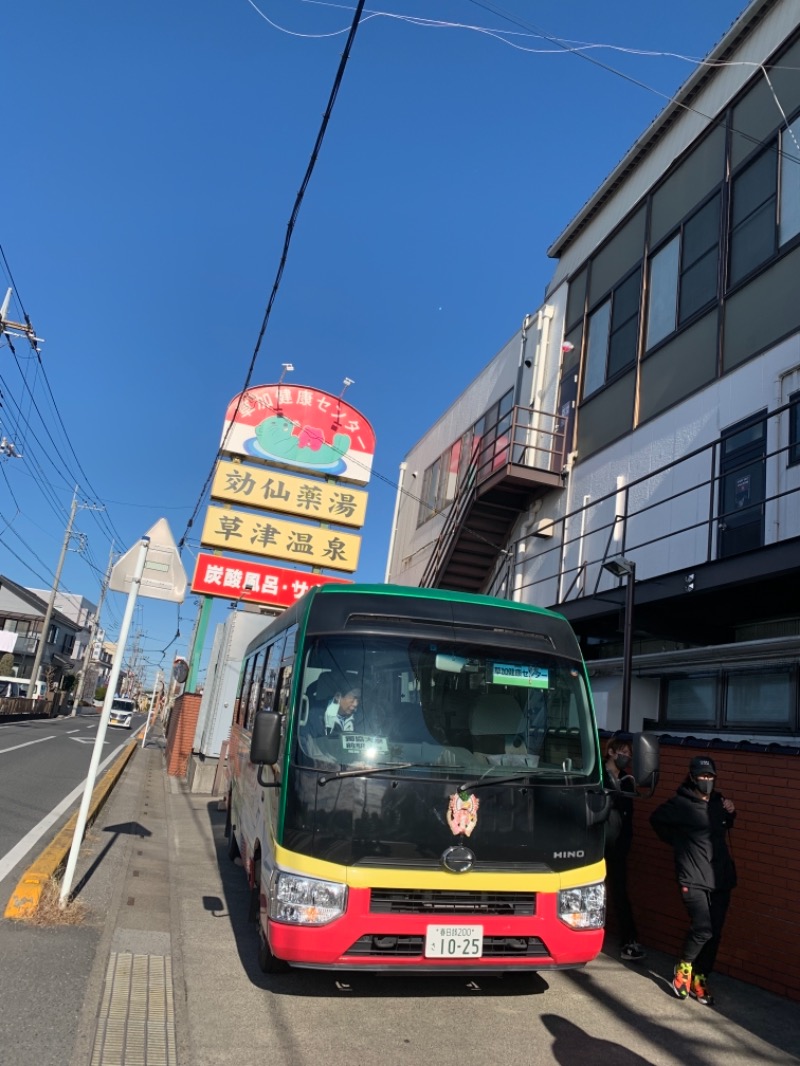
625, 568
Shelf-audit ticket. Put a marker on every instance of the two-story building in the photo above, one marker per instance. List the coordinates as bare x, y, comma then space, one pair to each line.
22, 613
649, 411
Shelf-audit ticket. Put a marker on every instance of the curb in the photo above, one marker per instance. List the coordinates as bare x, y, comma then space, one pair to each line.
26, 896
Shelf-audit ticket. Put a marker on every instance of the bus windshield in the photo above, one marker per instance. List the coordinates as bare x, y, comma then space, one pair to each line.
459, 709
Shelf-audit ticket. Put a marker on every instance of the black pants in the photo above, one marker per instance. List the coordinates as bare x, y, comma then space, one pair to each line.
707, 912
617, 881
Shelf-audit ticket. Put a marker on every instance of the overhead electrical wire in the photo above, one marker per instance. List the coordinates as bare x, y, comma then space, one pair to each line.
284, 254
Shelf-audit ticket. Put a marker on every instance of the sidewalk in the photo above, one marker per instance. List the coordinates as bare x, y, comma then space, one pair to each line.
175, 980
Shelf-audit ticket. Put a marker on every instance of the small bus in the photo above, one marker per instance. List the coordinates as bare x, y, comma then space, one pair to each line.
416, 785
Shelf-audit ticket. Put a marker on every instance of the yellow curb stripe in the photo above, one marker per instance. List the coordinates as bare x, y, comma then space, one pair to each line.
25, 897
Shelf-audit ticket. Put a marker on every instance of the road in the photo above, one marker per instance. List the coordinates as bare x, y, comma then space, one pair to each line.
43, 764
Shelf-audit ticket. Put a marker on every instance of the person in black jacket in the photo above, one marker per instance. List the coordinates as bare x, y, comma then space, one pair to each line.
619, 835
695, 822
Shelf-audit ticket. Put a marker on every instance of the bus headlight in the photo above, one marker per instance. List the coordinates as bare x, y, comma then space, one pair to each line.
583, 908
304, 900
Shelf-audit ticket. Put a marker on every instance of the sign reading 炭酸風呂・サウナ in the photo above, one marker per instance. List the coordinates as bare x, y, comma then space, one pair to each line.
274, 538
274, 490
252, 582
300, 428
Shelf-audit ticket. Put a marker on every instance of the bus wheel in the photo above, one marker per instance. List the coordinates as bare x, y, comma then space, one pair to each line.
267, 962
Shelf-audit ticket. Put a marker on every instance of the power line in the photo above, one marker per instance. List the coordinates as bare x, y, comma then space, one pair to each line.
284, 255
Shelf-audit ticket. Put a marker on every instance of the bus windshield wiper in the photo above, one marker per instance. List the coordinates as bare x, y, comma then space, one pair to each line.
531, 771
367, 771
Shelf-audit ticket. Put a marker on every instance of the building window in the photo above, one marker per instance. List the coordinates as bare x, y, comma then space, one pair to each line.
613, 334
789, 225
759, 699
753, 215
691, 700
684, 272
794, 428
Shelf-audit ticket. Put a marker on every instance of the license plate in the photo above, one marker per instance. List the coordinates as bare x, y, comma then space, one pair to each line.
454, 942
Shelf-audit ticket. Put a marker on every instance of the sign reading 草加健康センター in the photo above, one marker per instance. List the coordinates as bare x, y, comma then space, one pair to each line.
275, 490
274, 538
300, 428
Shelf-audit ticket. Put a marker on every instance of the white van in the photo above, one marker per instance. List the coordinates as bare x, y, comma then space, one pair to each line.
11, 687
20, 686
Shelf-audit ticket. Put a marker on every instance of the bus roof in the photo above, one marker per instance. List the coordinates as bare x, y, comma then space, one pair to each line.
556, 626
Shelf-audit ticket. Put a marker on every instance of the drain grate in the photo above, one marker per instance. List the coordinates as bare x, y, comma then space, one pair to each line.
137, 1018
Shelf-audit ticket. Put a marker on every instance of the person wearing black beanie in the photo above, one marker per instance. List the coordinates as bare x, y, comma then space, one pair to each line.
695, 823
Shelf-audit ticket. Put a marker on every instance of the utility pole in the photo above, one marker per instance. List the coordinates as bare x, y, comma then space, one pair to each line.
37, 662
87, 657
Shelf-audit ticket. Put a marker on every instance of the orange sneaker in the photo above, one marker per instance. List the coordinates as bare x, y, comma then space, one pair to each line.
682, 981
699, 990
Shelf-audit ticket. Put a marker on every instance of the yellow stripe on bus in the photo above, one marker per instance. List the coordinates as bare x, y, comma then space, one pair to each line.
403, 877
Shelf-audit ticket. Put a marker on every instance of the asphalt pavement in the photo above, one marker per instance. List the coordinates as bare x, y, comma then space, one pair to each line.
163, 971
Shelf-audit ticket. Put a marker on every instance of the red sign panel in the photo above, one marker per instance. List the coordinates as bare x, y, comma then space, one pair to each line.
300, 428
251, 582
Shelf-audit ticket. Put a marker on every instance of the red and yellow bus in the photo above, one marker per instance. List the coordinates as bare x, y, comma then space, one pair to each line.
416, 785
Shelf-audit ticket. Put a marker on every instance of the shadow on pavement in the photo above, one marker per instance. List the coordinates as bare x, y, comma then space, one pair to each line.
126, 829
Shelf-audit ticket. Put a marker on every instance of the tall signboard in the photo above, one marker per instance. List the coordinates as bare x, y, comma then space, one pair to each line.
285, 490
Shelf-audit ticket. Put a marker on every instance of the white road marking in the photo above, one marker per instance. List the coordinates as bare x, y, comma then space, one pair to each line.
27, 744
87, 740
20, 850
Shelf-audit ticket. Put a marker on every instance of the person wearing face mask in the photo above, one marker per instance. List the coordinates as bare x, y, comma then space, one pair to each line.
695, 823
619, 835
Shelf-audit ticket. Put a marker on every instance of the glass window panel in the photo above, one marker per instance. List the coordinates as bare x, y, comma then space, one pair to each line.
701, 233
794, 428
663, 293
698, 285
759, 698
444, 467
576, 298
691, 699
626, 300
753, 242
789, 224
754, 186
622, 347
506, 403
597, 349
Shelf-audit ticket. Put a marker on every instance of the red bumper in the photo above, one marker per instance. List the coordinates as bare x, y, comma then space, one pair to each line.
349, 942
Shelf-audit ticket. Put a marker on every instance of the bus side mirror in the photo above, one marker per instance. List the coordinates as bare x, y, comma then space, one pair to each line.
646, 760
266, 740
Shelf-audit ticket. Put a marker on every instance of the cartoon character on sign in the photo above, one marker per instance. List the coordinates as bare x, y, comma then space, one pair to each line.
275, 438
462, 813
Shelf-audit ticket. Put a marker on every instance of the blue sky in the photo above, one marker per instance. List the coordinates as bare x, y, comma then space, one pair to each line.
152, 156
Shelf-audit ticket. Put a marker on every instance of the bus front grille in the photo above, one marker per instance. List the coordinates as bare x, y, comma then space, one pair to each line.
449, 904
494, 947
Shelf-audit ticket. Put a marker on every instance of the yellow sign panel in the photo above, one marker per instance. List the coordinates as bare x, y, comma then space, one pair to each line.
273, 538
273, 490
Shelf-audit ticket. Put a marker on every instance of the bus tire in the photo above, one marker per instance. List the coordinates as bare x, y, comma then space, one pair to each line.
267, 962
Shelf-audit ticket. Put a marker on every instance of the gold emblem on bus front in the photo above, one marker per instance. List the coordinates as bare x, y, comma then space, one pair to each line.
462, 813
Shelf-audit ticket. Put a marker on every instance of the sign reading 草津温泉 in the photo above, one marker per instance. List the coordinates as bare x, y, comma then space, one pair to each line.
273, 490
296, 542
252, 582
300, 428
